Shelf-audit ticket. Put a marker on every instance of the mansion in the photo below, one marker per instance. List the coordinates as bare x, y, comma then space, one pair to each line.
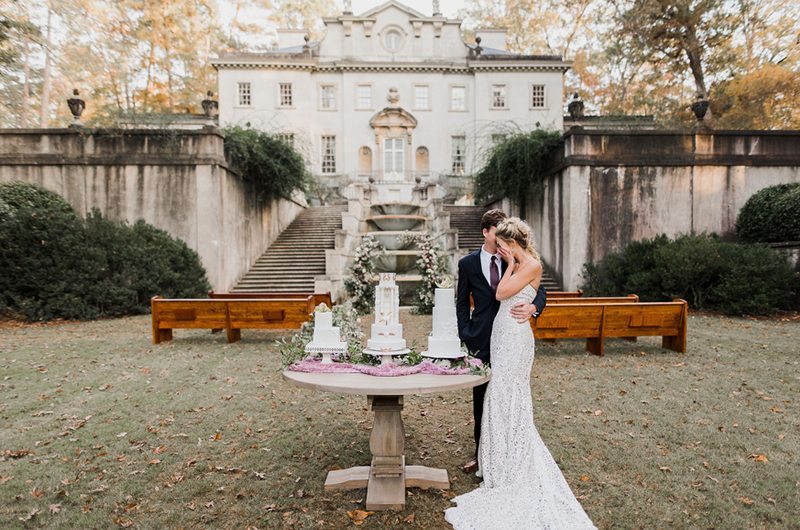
391, 94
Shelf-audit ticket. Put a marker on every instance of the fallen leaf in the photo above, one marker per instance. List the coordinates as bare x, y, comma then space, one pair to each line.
31, 514
409, 519
17, 454
104, 387
358, 516
665, 469
745, 500
217, 437
3, 480
758, 457
584, 478
209, 504
160, 449
124, 523
260, 476
598, 412
776, 409
191, 505
154, 461
36, 492
54, 508
122, 435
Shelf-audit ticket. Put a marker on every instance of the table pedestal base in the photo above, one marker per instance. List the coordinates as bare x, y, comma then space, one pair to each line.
388, 477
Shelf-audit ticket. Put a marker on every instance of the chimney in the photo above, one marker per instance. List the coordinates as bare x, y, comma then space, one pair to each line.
492, 38
288, 38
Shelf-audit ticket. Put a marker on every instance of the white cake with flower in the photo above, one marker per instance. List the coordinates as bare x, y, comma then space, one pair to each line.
443, 342
327, 339
386, 339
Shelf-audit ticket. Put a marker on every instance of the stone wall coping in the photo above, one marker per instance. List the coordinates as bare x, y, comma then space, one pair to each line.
116, 131
576, 131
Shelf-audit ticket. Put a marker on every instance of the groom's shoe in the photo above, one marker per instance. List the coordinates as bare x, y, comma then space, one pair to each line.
470, 466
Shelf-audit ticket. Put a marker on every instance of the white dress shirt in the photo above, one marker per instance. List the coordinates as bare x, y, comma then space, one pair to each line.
486, 261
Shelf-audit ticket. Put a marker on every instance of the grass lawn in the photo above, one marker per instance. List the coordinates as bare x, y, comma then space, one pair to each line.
101, 429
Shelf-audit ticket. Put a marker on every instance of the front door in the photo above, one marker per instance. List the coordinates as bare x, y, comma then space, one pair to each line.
393, 157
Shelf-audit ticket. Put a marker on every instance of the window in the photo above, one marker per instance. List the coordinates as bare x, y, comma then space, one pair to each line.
287, 138
537, 96
285, 90
244, 95
393, 155
327, 97
393, 40
498, 96
458, 98
364, 96
459, 146
421, 97
329, 154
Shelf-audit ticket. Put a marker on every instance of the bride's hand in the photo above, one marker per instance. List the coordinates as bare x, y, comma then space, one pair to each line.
506, 255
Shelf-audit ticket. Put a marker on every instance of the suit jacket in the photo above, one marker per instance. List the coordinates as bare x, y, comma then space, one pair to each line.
475, 330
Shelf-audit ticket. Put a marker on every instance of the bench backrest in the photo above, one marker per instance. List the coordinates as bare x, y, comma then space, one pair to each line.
568, 321
319, 298
178, 313
275, 313
564, 294
645, 319
630, 299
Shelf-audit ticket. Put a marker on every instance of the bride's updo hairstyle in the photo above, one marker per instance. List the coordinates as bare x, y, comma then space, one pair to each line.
515, 229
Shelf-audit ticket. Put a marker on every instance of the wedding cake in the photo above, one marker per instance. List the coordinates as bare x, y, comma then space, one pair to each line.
386, 338
327, 339
443, 342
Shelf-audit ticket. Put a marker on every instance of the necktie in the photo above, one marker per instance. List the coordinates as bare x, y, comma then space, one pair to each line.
494, 273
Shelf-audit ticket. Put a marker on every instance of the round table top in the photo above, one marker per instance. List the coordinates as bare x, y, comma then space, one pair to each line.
357, 383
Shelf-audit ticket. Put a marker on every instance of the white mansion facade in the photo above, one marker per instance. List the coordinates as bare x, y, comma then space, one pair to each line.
391, 93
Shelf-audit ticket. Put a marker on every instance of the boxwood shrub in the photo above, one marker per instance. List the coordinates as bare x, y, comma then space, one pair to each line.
771, 215
736, 279
57, 265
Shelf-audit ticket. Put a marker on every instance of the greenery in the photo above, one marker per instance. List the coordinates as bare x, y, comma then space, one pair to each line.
345, 317
360, 282
57, 265
515, 166
269, 164
432, 265
198, 433
771, 215
707, 272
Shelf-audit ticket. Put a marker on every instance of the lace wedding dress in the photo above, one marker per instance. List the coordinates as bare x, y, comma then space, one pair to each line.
522, 484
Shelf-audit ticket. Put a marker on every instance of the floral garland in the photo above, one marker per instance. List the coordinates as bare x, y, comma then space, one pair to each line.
360, 282
432, 265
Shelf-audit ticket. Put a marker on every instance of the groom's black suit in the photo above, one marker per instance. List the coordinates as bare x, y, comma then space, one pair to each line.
476, 330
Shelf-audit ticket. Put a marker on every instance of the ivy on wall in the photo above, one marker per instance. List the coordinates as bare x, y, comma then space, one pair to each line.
272, 166
515, 166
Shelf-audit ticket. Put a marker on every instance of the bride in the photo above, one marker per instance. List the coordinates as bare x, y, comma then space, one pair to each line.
522, 484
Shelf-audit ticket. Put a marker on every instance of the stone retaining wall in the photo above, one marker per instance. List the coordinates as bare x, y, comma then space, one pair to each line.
175, 180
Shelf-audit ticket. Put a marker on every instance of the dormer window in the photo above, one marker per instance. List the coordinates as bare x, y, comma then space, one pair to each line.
393, 40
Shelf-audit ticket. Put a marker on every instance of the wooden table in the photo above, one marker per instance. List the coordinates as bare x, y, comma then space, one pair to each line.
388, 476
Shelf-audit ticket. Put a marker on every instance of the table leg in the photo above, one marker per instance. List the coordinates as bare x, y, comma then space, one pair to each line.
388, 476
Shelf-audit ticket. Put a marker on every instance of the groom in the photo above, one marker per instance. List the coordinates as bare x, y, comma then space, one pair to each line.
478, 275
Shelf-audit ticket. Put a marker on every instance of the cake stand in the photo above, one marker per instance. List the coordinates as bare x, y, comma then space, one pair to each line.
386, 355
327, 350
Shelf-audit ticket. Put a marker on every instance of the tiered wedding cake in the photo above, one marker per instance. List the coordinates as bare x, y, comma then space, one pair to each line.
443, 342
327, 339
387, 339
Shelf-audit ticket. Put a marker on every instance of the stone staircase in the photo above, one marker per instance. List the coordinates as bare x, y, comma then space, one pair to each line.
467, 220
291, 262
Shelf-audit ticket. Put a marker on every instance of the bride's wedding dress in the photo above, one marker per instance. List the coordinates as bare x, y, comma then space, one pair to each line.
522, 484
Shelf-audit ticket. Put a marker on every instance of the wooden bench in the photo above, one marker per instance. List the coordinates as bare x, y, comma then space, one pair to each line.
319, 298
230, 315
595, 322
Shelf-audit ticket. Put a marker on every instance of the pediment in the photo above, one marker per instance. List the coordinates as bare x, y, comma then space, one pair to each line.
392, 3
391, 117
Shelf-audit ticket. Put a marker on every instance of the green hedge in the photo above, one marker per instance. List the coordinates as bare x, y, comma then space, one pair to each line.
57, 265
709, 273
771, 215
